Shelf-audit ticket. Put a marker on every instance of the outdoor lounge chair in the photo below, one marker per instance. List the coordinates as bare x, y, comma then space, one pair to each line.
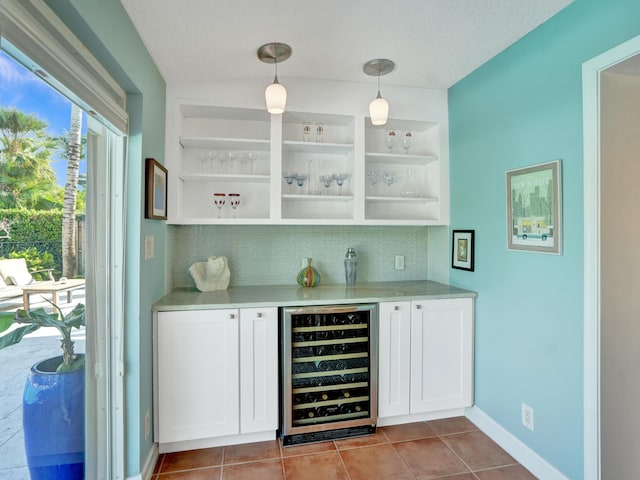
14, 274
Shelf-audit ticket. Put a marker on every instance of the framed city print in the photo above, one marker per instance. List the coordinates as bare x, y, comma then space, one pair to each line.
463, 249
534, 209
156, 190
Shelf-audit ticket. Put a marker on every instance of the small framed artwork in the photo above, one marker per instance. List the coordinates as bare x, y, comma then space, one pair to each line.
534, 210
462, 249
156, 190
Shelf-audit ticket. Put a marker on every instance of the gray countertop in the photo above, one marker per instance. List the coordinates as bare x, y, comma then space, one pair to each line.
293, 295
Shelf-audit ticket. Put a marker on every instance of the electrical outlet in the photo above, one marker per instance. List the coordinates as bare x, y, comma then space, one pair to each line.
527, 416
147, 424
399, 262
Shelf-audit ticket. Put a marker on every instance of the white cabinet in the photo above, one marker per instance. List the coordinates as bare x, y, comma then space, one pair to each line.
197, 374
216, 375
426, 356
212, 149
394, 358
258, 369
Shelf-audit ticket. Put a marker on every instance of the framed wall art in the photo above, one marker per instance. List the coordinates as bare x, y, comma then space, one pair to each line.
463, 249
534, 208
156, 190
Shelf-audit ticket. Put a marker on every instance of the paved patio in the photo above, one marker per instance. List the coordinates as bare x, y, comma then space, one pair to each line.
15, 362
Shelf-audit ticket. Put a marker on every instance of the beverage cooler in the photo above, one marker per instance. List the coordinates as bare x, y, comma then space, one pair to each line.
329, 371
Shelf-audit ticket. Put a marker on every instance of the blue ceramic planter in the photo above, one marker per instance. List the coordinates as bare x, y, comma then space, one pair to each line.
53, 422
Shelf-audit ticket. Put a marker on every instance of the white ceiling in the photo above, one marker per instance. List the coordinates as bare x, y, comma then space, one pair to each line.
434, 43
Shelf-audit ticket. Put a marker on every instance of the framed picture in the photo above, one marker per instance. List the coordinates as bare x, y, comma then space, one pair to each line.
156, 190
534, 211
462, 249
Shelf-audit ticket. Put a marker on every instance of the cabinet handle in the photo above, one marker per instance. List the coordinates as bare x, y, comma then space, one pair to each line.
232, 316
259, 314
396, 308
418, 307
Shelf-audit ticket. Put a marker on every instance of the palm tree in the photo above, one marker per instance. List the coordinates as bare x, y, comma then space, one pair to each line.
26, 149
73, 155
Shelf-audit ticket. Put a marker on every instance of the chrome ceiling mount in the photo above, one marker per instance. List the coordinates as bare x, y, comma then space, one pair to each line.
379, 66
274, 52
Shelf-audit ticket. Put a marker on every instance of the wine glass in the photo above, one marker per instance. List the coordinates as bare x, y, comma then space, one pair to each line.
326, 180
388, 178
407, 139
251, 156
234, 201
374, 177
390, 140
212, 155
319, 132
222, 162
306, 132
340, 179
300, 179
219, 200
289, 177
233, 156
203, 159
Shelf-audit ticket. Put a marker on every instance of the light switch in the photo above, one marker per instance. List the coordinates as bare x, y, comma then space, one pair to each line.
148, 247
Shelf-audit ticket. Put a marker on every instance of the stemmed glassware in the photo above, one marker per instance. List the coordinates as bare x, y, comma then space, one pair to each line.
203, 158
234, 201
222, 162
326, 180
300, 179
232, 159
251, 157
289, 177
388, 178
390, 140
219, 200
374, 177
340, 179
407, 139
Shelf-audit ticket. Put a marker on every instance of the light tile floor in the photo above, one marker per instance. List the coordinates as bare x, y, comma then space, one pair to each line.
448, 449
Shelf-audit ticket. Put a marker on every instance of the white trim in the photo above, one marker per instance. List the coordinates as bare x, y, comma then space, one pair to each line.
149, 464
591, 131
513, 446
238, 439
46, 45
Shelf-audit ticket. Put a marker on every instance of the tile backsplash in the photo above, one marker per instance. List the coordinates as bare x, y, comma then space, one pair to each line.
272, 255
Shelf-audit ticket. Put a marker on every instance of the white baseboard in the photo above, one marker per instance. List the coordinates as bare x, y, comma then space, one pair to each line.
513, 446
149, 465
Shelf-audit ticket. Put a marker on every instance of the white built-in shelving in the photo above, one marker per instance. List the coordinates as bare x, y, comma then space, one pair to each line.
212, 149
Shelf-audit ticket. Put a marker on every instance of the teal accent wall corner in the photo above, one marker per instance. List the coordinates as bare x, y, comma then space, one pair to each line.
106, 30
522, 108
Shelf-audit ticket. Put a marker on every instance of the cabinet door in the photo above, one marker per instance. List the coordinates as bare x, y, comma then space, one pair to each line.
441, 354
394, 358
197, 374
258, 369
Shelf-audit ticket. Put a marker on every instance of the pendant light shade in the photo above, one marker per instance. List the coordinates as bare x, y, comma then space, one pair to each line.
275, 95
379, 110
379, 107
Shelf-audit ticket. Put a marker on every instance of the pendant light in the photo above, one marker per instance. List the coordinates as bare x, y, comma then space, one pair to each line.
275, 94
379, 107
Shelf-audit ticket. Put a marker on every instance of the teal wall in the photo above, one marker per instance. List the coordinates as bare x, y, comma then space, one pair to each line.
105, 28
522, 108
